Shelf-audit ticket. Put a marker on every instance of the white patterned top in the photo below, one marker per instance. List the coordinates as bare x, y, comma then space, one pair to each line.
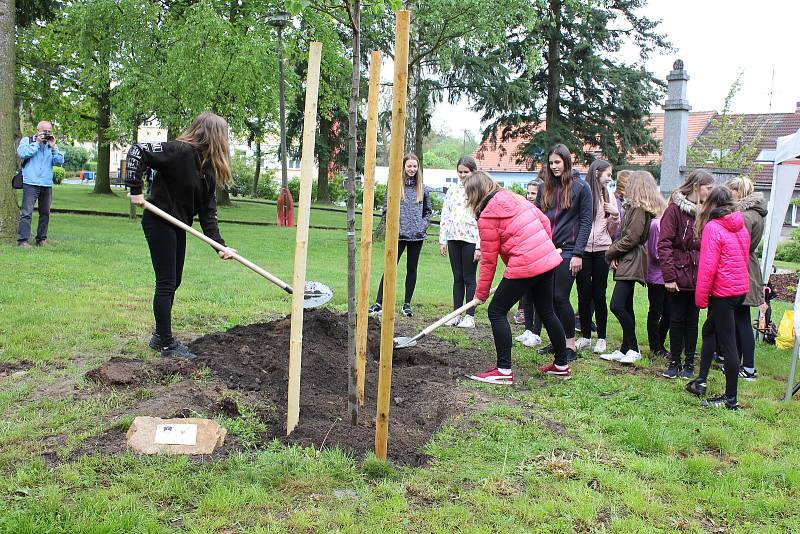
457, 222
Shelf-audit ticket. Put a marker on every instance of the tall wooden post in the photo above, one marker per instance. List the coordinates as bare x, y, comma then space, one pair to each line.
394, 190
366, 222
301, 246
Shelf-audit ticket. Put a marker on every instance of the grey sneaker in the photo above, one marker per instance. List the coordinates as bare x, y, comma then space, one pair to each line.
177, 350
688, 372
720, 402
23, 244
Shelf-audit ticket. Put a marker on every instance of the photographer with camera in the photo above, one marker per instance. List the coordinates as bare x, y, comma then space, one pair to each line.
38, 154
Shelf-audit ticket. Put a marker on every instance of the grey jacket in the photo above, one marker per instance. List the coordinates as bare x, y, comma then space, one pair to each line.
415, 217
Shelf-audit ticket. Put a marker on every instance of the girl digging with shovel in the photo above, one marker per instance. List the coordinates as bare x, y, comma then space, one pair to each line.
189, 169
514, 229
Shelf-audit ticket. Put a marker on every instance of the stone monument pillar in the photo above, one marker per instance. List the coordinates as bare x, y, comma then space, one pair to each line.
676, 128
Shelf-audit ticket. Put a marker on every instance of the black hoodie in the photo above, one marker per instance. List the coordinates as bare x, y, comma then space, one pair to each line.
182, 187
571, 226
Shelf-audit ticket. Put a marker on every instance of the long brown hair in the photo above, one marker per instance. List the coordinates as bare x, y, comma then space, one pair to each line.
622, 181
599, 191
468, 162
417, 177
718, 204
477, 187
208, 134
551, 181
642, 192
694, 181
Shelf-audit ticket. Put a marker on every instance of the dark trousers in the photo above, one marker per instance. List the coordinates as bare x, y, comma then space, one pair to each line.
717, 338
683, 319
745, 339
592, 281
412, 260
463, 264
657, 317
622, 307
167, 252
562, 287
30, 194
532, 321
539, 289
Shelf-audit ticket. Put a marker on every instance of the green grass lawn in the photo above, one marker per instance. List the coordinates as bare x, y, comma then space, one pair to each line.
607, 451
80, 198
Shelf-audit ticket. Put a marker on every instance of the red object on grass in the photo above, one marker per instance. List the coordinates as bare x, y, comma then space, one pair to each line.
285, 208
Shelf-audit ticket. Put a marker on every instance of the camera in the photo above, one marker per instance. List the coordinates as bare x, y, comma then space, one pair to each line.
47, 134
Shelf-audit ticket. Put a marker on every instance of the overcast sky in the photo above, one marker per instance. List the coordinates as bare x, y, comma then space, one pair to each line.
715, 39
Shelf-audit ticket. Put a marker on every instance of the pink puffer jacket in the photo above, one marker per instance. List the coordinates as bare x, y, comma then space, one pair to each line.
724, 252
515, 229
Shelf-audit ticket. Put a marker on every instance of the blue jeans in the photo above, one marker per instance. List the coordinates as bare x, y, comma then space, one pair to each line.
30, 193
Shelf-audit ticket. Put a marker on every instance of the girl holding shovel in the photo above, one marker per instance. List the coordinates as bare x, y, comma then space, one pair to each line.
520, 234
189, 170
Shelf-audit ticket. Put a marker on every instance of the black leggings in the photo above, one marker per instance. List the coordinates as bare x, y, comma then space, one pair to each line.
463, 264
532, 320
745, 339
562, 287
622, 307
539, 289
167, 252
657, 317
592, 282
720, 320
683, 319
412, 260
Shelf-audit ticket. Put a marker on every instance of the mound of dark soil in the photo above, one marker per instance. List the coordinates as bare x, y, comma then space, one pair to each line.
129, 372
425, 393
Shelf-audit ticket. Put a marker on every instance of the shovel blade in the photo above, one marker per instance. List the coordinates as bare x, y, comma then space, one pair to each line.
404, 342
316, 294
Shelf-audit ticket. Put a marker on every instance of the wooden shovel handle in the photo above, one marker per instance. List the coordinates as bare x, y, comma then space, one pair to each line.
469, 305
244, 261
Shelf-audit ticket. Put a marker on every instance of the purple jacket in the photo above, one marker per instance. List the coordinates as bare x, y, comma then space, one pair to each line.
654, 274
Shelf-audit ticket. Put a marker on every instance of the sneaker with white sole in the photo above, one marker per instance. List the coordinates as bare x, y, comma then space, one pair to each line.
630, 357
454, 321
582, 343
744, 374
613, 356
467, 322
565, 373
600, 346
523, 336
375, 310
494, 376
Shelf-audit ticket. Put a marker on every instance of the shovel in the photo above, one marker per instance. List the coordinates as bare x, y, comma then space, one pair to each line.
406, 342
316, 294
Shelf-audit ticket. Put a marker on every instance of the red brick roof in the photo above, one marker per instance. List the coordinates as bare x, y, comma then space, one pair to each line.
698, 120
771, 126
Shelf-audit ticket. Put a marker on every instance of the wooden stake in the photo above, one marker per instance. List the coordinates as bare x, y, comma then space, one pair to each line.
366, 222
394, 190
301, 245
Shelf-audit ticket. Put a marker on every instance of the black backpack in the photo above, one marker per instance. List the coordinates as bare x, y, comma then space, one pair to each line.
16, 181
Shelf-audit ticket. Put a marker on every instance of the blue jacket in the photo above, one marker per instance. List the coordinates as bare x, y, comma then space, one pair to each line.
38, 161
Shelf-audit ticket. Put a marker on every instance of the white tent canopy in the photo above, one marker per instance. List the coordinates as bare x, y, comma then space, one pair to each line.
786, 167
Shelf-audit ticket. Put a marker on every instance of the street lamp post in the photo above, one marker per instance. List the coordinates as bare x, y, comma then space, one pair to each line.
279, 21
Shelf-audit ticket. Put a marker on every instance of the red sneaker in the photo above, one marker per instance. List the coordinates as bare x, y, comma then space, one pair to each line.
494, 376
552, 370
519, 317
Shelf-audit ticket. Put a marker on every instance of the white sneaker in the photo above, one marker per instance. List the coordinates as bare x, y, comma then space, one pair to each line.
531, 340
582, 343
600, 346
630, 357
467, 322
522, 337
613, 356
454, 321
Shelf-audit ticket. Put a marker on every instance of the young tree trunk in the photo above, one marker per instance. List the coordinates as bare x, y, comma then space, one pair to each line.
258, 168
420, 109
102, 183
9, 210
352, 392
323, 189
552, 114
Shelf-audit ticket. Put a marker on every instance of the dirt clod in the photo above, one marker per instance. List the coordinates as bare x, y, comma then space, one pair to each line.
120, 371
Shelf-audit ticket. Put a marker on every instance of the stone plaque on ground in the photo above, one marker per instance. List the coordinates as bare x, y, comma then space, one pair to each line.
153, 435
